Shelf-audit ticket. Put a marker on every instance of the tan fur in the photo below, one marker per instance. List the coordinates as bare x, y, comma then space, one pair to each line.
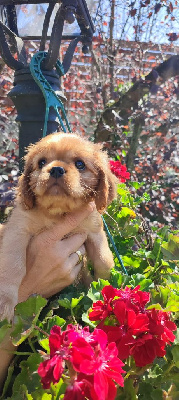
42, 200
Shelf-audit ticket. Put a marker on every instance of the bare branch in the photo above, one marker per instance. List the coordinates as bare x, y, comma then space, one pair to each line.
128, 103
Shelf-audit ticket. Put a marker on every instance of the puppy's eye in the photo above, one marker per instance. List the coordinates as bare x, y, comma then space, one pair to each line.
80, 164
41, 163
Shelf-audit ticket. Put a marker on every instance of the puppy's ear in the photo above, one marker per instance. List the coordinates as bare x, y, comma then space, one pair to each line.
24, 189
107, 184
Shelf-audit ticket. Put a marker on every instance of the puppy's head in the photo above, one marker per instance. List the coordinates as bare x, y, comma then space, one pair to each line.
64, 171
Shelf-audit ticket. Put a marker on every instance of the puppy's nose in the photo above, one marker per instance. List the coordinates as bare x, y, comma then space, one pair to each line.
57, 172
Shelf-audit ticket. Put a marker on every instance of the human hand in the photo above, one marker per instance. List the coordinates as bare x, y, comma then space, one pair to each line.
52, 262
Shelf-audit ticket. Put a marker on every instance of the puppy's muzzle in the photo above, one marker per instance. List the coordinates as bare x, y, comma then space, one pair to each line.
57, 172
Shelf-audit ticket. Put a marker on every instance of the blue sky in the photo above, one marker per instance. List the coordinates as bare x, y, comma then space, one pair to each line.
126, 27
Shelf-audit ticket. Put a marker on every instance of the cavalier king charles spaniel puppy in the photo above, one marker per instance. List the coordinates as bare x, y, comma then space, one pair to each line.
62, 173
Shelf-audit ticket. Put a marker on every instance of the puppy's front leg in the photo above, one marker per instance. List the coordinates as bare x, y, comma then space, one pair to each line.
12, 271
99, 253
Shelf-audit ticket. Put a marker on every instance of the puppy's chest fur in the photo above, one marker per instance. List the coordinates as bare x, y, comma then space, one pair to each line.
34, 221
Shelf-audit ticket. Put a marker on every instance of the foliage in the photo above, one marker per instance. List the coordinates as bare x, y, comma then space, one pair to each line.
9, 148
126, 91
136, 84
150, 257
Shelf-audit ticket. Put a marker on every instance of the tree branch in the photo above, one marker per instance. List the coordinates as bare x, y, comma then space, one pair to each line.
128, 103
134, 143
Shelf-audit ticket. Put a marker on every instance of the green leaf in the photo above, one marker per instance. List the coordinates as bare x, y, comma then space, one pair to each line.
156, 373
177, 336
116, 278
146, 196
174, 277
164, 292
22, 394
44, 343
51, 321
157, 306
40, 395
30, 308
129, 391
170, 249
143, 282
136, 185
173, 303
131, 261
127, 212
157, 394
7, 381
94, 292
25, 317
45, 396
5, 328
28, 375
59, 389
65, 303
76, 301
87, 320
145, 390
154, 254
175, 353
122, 191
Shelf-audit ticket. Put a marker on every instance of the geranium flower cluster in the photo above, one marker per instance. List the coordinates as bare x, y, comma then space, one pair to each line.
137, 332
119, 170
90, 365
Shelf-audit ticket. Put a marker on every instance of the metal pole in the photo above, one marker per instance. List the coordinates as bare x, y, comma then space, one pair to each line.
26, 95
30, 106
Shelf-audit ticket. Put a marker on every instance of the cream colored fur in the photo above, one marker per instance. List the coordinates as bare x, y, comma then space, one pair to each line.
42, 200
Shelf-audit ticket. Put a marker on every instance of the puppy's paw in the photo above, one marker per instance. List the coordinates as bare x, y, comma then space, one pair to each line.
6, 307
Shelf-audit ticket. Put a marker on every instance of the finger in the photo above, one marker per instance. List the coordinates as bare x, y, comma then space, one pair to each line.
74, 257
75, 272
66, 224
59, 285
73, 243
72, 270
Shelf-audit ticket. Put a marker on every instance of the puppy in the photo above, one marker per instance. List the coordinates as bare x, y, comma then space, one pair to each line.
62, 173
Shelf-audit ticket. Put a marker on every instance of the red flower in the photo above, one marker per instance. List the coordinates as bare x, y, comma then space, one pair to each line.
146, 349
81, 350
149, 346
122, 339
61, 350
51, 370
81, 389
92, 365
102, 310
78, 390
55, 340
92, 361
136, 331
128, 324
119, 170
129, 319
135, 296
160, 325
104, 366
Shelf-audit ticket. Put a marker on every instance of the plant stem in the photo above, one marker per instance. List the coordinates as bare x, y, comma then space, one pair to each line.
31, 345
41, 330
22, 353
169, 368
